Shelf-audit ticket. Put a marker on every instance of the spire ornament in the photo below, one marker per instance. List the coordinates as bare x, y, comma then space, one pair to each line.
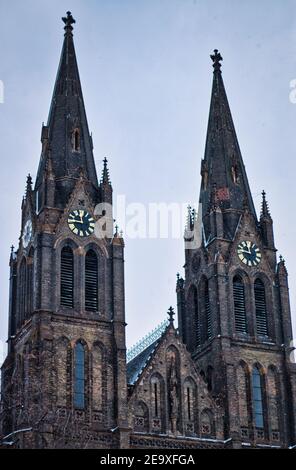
68, 20
171, 315
105, 173
180, 282
29, 184
216, 58
264, 208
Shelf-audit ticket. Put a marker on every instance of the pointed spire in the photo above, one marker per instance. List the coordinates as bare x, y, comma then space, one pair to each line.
188, 234
282, 269
118, 237
105, 184
29, 185
191, 217
266, 225
105, 173
224, 179
265, 213
12, 254
67, 130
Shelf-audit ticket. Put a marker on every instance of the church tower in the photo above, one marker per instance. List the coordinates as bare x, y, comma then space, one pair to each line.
64, 379
233, 306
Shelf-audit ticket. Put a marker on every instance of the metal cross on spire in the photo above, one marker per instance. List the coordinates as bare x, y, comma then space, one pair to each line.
68, 20
216, 58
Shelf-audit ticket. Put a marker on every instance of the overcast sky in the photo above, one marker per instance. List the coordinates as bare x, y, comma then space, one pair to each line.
146, 77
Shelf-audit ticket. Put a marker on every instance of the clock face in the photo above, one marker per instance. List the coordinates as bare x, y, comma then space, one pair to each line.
81, 223
249, 253
27, 233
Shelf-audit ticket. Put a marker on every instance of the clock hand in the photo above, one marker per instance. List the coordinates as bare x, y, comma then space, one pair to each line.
77, 222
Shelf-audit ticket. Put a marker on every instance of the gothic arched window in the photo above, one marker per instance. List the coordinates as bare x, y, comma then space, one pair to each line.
190, 402
196, 319
155, 383
79, 376
257, 390
210, 378
22, 291
260, 306
76, 140
157, 403
239, 305
67, 277
30, 283
91, 282
193, 327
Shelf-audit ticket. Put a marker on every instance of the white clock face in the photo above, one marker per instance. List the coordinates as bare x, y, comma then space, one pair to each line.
249, 253
27, 234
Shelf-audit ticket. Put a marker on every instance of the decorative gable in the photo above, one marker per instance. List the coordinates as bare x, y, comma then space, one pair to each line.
169, 396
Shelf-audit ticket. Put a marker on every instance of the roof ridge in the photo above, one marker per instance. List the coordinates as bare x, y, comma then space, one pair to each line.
147, 340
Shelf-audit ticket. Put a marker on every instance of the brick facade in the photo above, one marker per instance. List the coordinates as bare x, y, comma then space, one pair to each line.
223, 379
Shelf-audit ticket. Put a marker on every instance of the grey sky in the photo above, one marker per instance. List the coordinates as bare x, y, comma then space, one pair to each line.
146, 76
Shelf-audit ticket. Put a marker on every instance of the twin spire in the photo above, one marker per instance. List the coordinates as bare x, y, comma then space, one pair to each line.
224, 180
67, 133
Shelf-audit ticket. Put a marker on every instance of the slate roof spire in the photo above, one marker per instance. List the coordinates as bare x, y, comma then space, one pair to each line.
67, 129
223, 172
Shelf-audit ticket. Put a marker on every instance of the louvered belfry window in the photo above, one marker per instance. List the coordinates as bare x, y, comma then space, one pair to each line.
239, 305
208, 312
91, 282
197, 320
260, 304
67, 277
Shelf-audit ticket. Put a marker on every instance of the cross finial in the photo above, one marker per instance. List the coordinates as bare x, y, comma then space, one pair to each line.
68, 20
216, 58
171, 315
